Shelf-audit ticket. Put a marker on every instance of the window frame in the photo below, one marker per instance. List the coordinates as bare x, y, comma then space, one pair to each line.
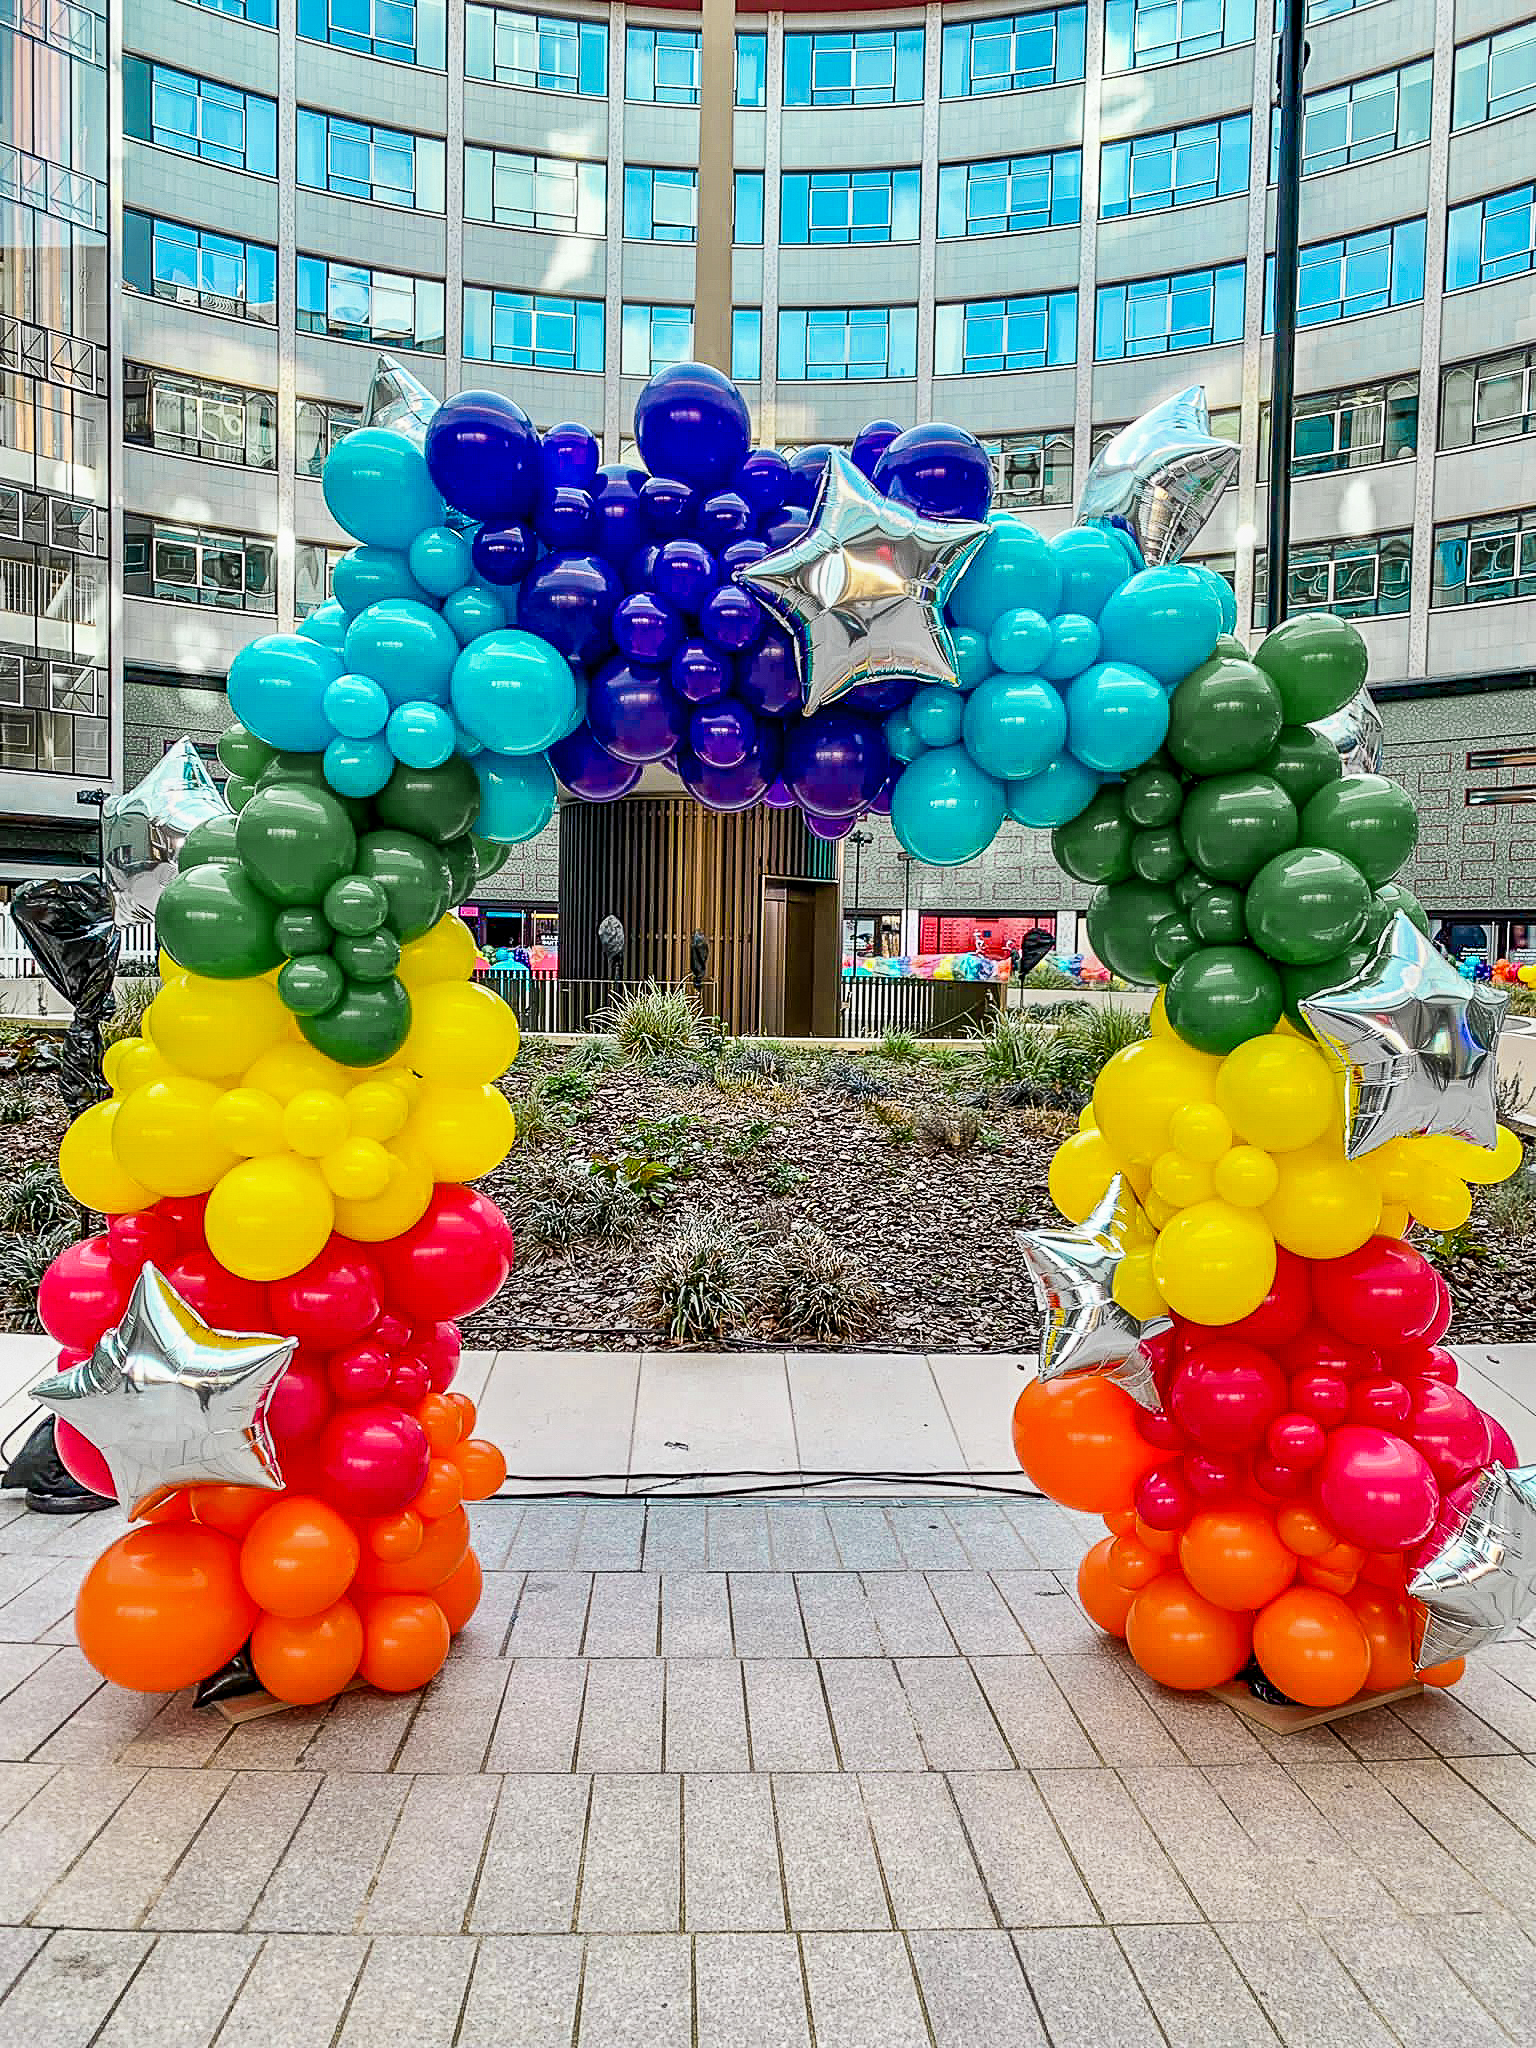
542, 26
336, 268
957, 47
1522, 533
1014, 219
1139, 290
900, 328
585, 316
1188, 136
205, 543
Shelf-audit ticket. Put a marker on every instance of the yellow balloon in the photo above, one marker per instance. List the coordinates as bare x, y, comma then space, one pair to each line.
164, 1137
357, 1169
1200, 1131
1395, 1220
1279, 1093
316, 1121
112, 1060
1214, 1263
268, 1217
1395, 1167
464, 1132
1245, 1177
378, 1109
1157, 1017
215, 1029
1134, 1287
1157, 1211
288, 1069
1086, 1120
446, 953
460, 1032
1138, 1091
1079, 1179
169, 970
89, 1167
140, 1065
1439, 1200
1476, 1163
1140, 1177
1326, 1205
249, 1122
1181, 1180
402, 1203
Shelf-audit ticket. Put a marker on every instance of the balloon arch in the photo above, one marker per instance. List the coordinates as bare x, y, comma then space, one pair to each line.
1240, 1363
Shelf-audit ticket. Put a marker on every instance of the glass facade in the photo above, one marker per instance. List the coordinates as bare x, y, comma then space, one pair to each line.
1012, 52
849, 206
1368, 117
1491, 399
360, 161
197, 565
351, 302
1157, 314
537, 329
1491, 238
1351, 429
1138, 32
662, 65
1485, 561
212, 422
821, 344
1011, 194
1363, 273
200, 117
853, 68
539, 52
1027, 333
399, 31
553, 194
1495, 76
1365, 578
1175, 167
191, 266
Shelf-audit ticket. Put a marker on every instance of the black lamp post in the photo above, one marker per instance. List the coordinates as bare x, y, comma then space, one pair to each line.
1291, 61
858, 841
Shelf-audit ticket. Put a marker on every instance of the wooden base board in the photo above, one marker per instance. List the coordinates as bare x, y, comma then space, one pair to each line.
1292, 1720
255, 1706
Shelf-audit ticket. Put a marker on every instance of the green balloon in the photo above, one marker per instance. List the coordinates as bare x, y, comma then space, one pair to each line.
491, 855
1228, 643
242, 753
355, 906
214, 920
1389, 899
368, 1025
373, 958
1121, 921
1153, 796
309, 769
214, 839
1302, 761
1225, 715
295, 841
1173, 942
1095, 846
1216, 918
1191, 886
1316, 662
434, 803
459, 859
1232, 824
1368, 819
1157, 853
1301, 982
1306, 905
413, 875
1223, 995
311, 985
238, 792
302, 931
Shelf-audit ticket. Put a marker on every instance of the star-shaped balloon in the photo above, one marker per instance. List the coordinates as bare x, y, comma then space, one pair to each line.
1417, 1045
1086, 1329
1357, 731
1159, 478
862, 589
142, 831
1481, 1582
398, 399
170, 1402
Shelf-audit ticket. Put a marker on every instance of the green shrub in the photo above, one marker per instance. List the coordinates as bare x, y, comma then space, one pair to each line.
35, 1201
651, 1021
899, 1046
695, 1289
15, 1107
131, 999
562, 1202
943, 1128
810, 1289
23, 1262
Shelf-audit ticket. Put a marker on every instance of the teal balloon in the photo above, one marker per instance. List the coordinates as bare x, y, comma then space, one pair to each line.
365, 576
1092, 566
1232, 824
973, 659
1116, 716
1221, 996
513, 691
378, 487
1075, 645
1165, 620
214, 920
294, 842
1121, 922
1368, 819
440, 560
1019, 641
473, 611
1013, 567
1222, 590
902, 737
1014, 726
1306, 905
517, 796
420, 735
944, 809
366, 1026
327, 624
277, 687
1062, 789
358, 768
356, 706
937, 714
405, 648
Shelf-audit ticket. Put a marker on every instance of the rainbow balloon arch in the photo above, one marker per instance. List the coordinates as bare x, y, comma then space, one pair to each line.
1240, 1365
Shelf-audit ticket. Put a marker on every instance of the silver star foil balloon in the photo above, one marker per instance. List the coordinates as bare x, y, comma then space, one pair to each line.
1481, 1582
170, 1402
1417, 1045
1159, 478
1357, 731
1086, 1329
398, 399
862, 589
143, 829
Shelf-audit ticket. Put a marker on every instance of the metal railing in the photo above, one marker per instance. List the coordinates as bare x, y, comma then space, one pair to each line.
872, 1005
546, 1002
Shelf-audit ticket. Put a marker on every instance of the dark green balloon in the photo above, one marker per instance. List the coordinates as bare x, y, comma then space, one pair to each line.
1216, 918
309, 769
413, 875
434, 803
311, 985
459, 859
1225, 715
238, 792
1157, 853
1173, 942
1306, 905
1095, 846
1316, 662
1232, 824
1302, 761
1154, 795
1191, 886
1301, 982
1228, 643
302, 931
373, 958
214, 839
491, 855
295, 841
1121, 921
1389, 899
1368, 819
368, 1025
355, 906
1223, 995
214, 920
242, 753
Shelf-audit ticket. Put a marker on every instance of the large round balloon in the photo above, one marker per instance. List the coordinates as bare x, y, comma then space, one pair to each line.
483, 453
939, 470
692, 423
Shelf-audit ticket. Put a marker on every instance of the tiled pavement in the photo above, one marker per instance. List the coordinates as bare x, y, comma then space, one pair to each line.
755, 1776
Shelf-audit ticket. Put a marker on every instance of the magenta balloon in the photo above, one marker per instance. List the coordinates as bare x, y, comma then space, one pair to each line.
1380, 1398
1225, 1395
1214, 1478
1384, 1294
1164, 1499
1298, 1440
1375, 1489
1501, 1445
374, 1460
1451, 1431
300, 1405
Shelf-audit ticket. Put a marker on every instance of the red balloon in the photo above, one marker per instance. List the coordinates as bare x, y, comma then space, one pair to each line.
373, 1460
81, 1459
1214, 1478
1384, 1294
1276, 1480
451, 1262
390, 1331
1501, 1445
1296, 1440
360, 1373
1436, 1363
145, 1235
1451, 1430
1160, 1430
1280, 1316
83, 1294
1225, 1395
439, 1345
1164, 1497
332, 1300
1378, 1398
1442, 1318
1376, 1489
410, 1382
300, 1405
185, 1213
1319, 1349
221, 1298
1320, 1394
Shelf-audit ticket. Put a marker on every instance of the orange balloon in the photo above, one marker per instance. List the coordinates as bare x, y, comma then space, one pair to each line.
1444, 1674
440, 1419
170, 1504
441, 1491
396, 1536
466, 1409
1120, 1521
459, 1594
405, 1641
1078, 1440
1164, 1541
1343, 1557
299, 1557
1234, 1557
163, 1606
1131, 1564
441, 1551
1183, 1640
1309, 1643
1388, 1636
1104, 1603
230, 1508
482, 1467
1314, 1572
1304, 1531
310, 1658
1385, 1568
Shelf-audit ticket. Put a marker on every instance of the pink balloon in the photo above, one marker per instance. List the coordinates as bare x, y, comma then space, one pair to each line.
332, 1300
1450, 1429
1323, 1350
221, 1298
453, 1260
1438, 1364
361, 1373
1376, 1489
1384, 1294
1378, 1398
1225, 1395
1296, 1440
146, 1234
81, 1459
439, 1344
1160, 1430
1321, 1394
1163, 1498
1280, 1481
390, 1332
410, 1382
373, 1460
1442, 1317
1501, 1445
299, 1407
1214, 1478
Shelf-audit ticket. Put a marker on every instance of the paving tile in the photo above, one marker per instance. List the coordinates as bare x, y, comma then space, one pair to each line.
800, 1537
765, 1615
18, 1661
1084, 1988
988, 1537
547, 1537
1494, 1958
839, 1621
411, 1990
622, 1618
493, 1524
954, 1722
865, 1540
540, 1713
429, 1870
1474, 1833
637, 1992
49, 1597
551, 1615
1206, 1730
731, 1877
1411, 1865
1493, 1695
1380, 1736
927, 1541
118, 1878
1029, 1873
907, 1616
485, 1633
1040, 1728
695, 1615
1507, 1782
68, 1989
862, 1992
630, 1878
706, 1715
748, 1988
612, 1536
1118, 1721
43, 1701
621, 1715
1412, 1986
1194, 1989
452, 1729
1447, 1726
676, 1536
831, 1877
19, 1783
787, 1716
275, 1742
362, 1732
180, 1737
99, 1730
220, 1878
930, 1874
527, 1883
974, 1990
738, 1537
1305, 1991
181, 1995
536, 1978
40, 1844
322, 1881
1305, 1852
1056, 1537
308, 1979
1218, 1862
1046, 1612
1125, 1869
870, 1716
18, 1945
977, 1615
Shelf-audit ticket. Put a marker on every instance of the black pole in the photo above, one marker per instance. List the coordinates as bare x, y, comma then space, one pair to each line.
1282, 379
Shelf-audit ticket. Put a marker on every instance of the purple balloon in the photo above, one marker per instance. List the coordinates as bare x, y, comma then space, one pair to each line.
646, 630
807, 467
723, 734
691, 422
569, 598
768, 678
835, 762
778, 797
722, 519
880, 802
788, 527
620, 510
633, 713
741, 553
762, 480
722, 789
882, 696
830, 828
870, 443
640, 569
699, 673
939, 470
668, 506
684, 574
570, 456
732, 619
503, 553
589, 770
483, 455
563, 518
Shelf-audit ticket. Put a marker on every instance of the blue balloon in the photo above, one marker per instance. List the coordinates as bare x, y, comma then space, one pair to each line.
1013, 568
565, 518
1014, 725
902, 737
569, 454
1019, 641
807, 467
936, 714
1117, 717
358, 767
405, 647
1224, 595
667, 506
699, 673
684, 574
762, 480
940, 470
722, 734
517, 796
420, 735
440, 560
1074, 647
503, 553
835, 762
276, 688
768, 678
789, 525
728, 789
1093, 566
569, 600
870, 443
327, 624
590, 771
365, 576
973, 658
645, 629
692, 423
634, 713
514, 691
378, 486
473, 611
732, 619
356, 706
742, 553
1063, 787
619, 511
721, 519
483, 452
1165, 620
944, 809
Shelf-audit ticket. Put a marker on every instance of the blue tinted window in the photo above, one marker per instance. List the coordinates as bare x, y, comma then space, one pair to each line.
553, 194
200, 117
351, 302
403, 31
1009, 195
829, 344
652, 337
849, 206
747, 344
191, 266
1157, 315
540, 52
262, 12
662, 64
1484, 561
986, 335
534, 329
1490, 238
385, 165
1012, 52
661, 205
1495, 76
853, 68
1175, 167
1361, 273
1159, 31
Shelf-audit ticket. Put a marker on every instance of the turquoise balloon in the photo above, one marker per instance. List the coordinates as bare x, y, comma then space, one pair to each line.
1019, 641
944, 809
356, 706
1014, 726
358, 767
973, 662
466, 744
440, 560
513, 691
1063, 788
1117, 717
327, 624
366, 576
1093, 566
405, 648
1223, 593
579, 708
1164, 620
517, 796
379, 488
277, 687
1074, 647
901, 736
473, 611
936, 714
1013, 567
420, 735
